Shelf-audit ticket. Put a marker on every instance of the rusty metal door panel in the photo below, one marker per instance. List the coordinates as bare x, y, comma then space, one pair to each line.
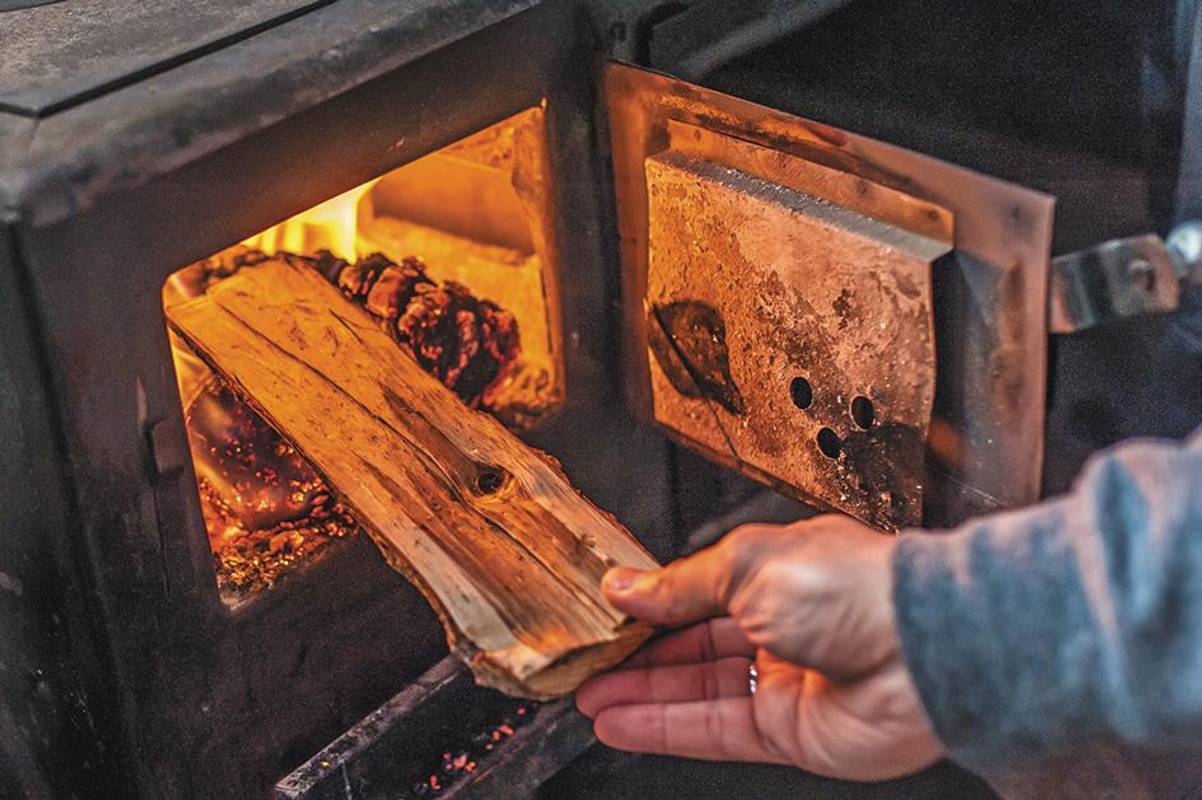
786, 312
759, 247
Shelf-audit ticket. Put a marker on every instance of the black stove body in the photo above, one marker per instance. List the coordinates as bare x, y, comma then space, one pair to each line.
124, 674
134, 141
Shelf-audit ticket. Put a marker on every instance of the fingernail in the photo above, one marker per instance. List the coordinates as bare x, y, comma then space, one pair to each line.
620, 580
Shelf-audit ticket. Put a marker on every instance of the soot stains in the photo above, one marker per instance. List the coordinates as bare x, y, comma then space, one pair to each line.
884, 468
688, 339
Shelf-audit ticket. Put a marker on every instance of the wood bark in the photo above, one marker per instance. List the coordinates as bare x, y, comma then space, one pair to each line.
509, 554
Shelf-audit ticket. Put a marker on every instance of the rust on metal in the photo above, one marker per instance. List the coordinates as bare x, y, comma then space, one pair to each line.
843, 188
756, 285
984, 359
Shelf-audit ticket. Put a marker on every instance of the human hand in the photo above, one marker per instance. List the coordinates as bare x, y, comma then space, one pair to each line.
810, 606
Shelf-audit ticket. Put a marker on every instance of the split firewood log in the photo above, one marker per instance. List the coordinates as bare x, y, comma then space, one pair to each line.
509, 554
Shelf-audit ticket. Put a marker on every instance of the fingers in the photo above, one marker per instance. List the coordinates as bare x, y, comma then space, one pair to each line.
687, 590
679, 683
722, 730
706, 641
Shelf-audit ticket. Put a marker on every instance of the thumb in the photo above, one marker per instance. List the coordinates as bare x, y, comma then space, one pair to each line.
687, 590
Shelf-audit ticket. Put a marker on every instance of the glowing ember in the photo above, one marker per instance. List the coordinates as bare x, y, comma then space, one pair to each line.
466, 758
265, 508
464, 341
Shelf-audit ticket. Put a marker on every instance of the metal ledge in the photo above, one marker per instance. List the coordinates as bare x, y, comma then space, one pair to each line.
66, 161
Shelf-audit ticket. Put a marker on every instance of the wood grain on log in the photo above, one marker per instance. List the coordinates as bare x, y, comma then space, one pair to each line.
506, 550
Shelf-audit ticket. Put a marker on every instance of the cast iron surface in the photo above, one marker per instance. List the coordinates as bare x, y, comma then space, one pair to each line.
690, 38
134, 133
1060, 114
50, 706
402, 750
16, 5
990, 294
750, 268
192, 700
54, 57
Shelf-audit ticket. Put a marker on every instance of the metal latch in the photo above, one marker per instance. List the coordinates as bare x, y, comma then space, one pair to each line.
1124, 278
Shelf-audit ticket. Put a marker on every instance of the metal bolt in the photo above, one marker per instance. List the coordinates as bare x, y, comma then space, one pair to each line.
1185, 247
1142, 273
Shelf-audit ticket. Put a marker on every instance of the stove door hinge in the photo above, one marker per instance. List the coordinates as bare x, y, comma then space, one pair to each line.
1124, 278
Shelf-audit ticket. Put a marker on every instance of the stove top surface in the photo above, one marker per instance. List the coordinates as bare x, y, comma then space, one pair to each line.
55, 55
99, 94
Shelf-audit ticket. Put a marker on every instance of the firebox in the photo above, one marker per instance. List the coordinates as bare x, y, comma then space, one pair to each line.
213, 644
455, 253
680, 294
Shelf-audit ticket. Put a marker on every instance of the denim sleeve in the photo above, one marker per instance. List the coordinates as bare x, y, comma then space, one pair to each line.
1073, 622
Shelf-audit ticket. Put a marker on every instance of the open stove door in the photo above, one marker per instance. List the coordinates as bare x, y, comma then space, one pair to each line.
861, 326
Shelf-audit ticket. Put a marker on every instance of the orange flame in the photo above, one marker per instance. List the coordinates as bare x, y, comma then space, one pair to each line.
332, 225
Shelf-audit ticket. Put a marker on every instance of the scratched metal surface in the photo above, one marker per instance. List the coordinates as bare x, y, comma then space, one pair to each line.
150, 123
758, 289
54, 55
985, 448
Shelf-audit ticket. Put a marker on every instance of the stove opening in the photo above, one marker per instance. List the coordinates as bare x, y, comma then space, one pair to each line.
454, 256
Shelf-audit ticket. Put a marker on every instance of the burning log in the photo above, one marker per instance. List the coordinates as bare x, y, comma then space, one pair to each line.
467, 342
504, 548
464, 341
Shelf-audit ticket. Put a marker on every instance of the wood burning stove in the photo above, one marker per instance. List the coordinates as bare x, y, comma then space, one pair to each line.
457, 256
120, 171
169, 633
